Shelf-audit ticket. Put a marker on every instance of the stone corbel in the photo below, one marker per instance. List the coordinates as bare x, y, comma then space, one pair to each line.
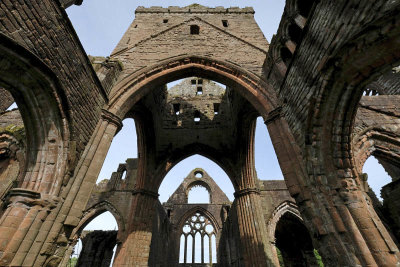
112, 118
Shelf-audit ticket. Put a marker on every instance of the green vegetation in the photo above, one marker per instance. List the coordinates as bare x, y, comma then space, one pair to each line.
72, 262
280, 257
319, 259
17, 131
317, 256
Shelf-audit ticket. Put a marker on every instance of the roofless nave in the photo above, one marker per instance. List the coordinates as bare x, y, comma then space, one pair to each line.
326, 87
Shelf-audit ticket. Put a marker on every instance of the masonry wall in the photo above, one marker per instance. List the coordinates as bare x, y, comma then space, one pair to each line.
6, 99
148, 30
41, 27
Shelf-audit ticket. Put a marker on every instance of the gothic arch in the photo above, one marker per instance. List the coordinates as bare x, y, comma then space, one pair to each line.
252, 87
280, 210
344, 85
203, 150
331, 119
43, 108
199, 209
95, 211
365, 145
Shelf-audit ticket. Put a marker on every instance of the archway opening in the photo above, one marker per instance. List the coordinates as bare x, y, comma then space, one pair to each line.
123, 147
198, 194
294, 244
96, 245
12, 144
377, 176
178, 173
266, 162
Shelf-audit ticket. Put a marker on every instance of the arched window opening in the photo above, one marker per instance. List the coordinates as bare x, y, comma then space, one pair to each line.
198, 240
103, 241
295, 33
304, 7
294, 244
123, 146
198, 174
12, 144
266, 162
370, 92
13, 106
184, 167
182, 249
194, 29
376, 177
198, 194
196, 118
123, 176
286, 55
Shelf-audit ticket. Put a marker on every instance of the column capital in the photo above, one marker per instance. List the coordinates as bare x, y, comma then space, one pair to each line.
111, 118
273, 115
246, 191
30, 198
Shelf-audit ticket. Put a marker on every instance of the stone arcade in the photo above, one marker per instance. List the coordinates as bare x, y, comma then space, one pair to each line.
326, 86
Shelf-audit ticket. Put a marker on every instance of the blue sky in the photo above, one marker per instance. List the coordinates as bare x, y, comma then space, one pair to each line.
100, 24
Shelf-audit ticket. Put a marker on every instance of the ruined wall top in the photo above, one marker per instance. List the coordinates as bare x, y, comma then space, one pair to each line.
194, 8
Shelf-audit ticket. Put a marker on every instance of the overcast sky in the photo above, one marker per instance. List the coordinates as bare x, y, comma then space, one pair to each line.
100, 24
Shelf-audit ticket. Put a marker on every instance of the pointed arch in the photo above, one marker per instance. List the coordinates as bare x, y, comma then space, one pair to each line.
95, 211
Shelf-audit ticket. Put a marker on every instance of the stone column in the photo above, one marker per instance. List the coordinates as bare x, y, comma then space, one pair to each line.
334, 211
135, 248
52, 240
256, 249
19, 226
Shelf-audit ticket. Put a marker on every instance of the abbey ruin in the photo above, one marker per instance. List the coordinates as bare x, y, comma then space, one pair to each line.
326, 86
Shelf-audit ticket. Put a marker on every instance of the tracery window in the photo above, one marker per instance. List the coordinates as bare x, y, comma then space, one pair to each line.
198, 243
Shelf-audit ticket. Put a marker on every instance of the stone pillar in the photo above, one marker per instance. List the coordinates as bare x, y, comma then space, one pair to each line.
135, 248
256, 249
334, 211
49, 230
97, 248
19, 226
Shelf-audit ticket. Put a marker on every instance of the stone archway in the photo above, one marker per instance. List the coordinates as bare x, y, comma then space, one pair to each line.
42, 104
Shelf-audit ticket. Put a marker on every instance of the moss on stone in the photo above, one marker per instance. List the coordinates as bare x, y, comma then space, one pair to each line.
17, 131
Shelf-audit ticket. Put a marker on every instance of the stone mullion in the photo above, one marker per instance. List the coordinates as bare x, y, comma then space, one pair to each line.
193, 248
185, 252
202, 248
